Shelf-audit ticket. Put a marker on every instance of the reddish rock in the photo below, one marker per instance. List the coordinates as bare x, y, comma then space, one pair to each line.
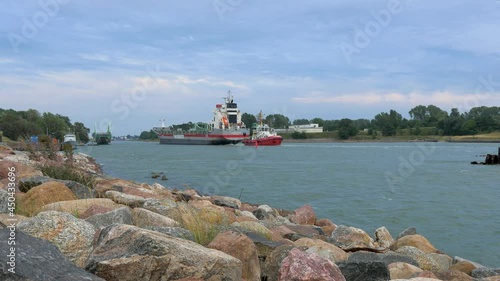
302, 231
299, 266
278, 233
326, 225
241, 247
21, 170
39, 196
304, 215
417, 241
94, 210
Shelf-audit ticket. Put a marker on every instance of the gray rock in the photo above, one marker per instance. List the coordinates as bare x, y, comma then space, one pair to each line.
425, 262
37, 259
121, 215
383, 237
444, 261
406, 232
178, 232
126, 252
143, 218
72, 236
132, 201
348, 237
4, 200
262, 215
457, 259
162, 208
81, 191
386, 258
484, 272
366, 271
225, 201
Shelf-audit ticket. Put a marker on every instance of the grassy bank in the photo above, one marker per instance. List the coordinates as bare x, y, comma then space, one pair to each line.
405, 137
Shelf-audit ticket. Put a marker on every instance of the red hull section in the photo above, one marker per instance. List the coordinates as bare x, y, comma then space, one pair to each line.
269, 141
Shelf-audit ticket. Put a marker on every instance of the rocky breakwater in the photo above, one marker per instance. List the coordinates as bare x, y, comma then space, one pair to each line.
113, 229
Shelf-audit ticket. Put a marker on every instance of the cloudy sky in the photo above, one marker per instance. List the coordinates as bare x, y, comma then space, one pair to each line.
133, 63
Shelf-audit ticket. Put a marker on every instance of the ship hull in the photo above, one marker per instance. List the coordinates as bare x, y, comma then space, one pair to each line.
202, 139
268, 141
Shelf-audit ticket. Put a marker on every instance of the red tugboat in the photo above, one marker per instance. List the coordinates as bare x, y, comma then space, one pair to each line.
262, 135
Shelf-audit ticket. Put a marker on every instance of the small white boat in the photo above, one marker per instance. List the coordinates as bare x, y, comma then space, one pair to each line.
70, 139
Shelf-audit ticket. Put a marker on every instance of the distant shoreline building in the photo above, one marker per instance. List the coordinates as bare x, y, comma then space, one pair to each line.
309, 128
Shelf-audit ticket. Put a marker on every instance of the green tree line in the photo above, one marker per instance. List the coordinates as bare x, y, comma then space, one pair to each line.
424, 121
21, 124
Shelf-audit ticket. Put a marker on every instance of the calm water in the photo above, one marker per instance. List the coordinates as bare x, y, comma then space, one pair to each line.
430, 186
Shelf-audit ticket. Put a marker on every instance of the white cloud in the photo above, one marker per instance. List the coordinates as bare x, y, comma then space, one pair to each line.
444, 98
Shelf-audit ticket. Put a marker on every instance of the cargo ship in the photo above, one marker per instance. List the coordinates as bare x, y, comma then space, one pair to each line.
225, 127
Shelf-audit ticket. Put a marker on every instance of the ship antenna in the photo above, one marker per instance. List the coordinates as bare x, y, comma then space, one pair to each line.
162, 122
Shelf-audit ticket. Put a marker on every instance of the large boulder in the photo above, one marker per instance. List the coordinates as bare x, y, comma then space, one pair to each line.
304, 215
46, 193
348, 237
327, 226
402, 270
366, 271
452, 275
37, 259
225, 201
386, 258
72, 236
424, 261
144, 218
406, 232
252, 226
178, 232
132, 201
483, 272
241, 247
22, 168
121, 215
81, 191
77, 207
271, 270
383, 237
416, 240
126, 252
463, 266
301, 266
323, 249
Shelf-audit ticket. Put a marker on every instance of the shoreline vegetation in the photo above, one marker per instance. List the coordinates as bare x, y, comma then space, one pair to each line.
492, 137
73, 222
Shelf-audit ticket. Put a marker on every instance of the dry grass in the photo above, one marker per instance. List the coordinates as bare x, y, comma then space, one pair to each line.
204, 223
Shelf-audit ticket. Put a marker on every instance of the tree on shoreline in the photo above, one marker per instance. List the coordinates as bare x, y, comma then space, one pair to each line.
22, 124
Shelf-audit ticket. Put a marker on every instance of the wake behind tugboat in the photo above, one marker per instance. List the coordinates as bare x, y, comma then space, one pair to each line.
225, 127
